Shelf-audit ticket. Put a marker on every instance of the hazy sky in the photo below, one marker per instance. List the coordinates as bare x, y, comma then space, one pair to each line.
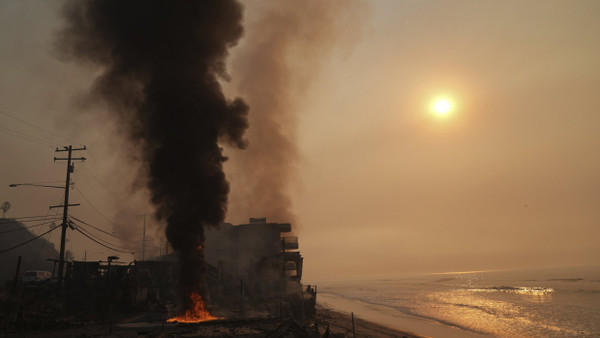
380, 185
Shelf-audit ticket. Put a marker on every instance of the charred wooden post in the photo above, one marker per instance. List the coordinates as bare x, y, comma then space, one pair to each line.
13, 291
241, 295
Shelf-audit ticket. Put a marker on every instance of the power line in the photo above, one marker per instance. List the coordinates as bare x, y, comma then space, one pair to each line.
16, 246
93, 159
24, 137
110, 192
27, 227
106, 232
100, 239
27, 255
24, 217
30, 136
100, 188
43, 244
106, 246
27, 220
38, 128
93, 206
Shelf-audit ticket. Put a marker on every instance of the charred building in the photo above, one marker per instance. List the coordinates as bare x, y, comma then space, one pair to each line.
260, 258
252, 267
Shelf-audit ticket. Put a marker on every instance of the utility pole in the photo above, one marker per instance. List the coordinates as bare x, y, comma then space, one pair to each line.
144, 239
70, 169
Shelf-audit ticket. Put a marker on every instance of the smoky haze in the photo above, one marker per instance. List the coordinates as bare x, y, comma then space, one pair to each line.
161, 61
282, 54
509, 179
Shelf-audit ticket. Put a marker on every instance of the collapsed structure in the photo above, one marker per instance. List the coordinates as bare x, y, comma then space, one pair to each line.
253, 269
258, 261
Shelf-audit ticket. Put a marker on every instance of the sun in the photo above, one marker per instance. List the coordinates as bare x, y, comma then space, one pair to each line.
442, 106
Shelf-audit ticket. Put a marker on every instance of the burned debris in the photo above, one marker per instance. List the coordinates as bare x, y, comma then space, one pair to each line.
255, 263
253, 273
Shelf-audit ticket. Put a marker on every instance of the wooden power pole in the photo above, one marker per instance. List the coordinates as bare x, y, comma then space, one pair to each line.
70, 169
144, 240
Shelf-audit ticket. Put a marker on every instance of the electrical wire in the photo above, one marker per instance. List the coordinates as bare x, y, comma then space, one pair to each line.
27, 227
100, 188
24, 217
38, 128
43, 244
106, 232
27, 220
52, 144
16, 246
23, 222
94, 207
26, 137
106, 246
99, 238
92, 157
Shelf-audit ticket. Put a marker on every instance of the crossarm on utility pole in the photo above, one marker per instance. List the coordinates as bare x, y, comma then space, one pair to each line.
62, 206
67, 159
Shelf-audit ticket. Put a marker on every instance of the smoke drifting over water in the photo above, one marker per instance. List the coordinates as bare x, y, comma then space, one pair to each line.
161, 61
282, 54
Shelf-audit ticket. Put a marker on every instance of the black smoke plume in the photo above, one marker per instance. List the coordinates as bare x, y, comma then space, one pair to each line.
160, 62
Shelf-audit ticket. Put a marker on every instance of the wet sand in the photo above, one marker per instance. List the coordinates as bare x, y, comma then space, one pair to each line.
391, 318
340, 325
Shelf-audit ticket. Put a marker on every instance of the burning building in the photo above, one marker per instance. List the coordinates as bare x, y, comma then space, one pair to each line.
252, 269
258, 260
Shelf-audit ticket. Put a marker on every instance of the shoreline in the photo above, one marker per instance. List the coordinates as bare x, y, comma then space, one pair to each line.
391, 318
340, 325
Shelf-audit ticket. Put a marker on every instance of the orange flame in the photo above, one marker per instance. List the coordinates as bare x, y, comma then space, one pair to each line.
197, 314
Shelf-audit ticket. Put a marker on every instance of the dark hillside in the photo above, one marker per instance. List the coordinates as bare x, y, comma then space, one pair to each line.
34, 253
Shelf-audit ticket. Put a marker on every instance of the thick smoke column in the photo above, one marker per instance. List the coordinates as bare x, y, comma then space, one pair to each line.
160, 63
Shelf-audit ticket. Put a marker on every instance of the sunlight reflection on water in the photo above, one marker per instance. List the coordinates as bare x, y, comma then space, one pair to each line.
541, 294
545, 302
467, 308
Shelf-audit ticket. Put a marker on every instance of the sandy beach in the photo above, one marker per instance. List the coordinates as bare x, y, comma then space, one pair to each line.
388, 318
340, 325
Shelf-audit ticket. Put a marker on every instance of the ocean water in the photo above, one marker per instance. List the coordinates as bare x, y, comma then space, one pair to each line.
550, 302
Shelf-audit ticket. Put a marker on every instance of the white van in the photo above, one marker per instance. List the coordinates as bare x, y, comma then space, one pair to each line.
35, 276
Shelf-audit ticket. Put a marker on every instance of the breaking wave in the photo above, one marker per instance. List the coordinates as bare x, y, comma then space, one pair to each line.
524, 290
